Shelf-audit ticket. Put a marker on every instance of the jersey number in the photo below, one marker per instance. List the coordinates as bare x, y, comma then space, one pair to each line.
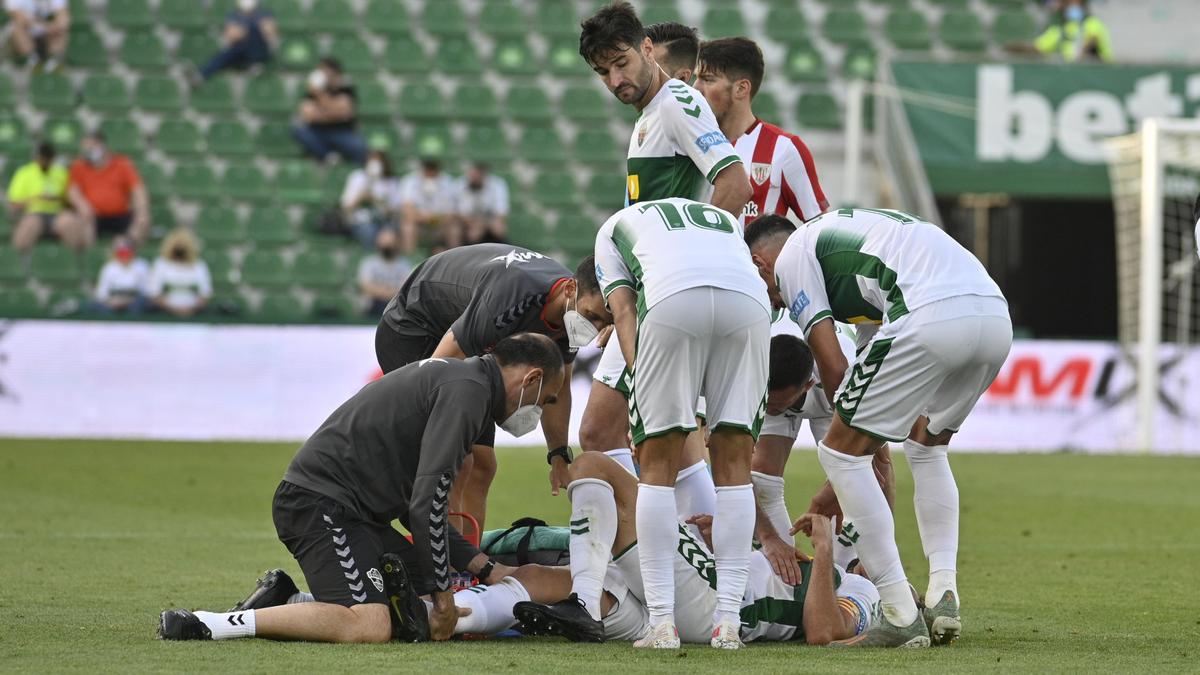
700, 215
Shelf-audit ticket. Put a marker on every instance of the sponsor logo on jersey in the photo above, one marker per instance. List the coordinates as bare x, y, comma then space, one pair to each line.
798, 305
710, 139
760, 172
750, 210
434, 359
515, 256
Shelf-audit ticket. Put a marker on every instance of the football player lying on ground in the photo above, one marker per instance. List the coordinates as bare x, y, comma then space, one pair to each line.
390, 452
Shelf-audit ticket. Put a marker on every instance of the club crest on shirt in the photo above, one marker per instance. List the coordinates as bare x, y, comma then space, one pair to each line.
760, 172
376, 578
642, 131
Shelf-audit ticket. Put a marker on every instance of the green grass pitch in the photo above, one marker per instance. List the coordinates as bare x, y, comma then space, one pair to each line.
1068, 563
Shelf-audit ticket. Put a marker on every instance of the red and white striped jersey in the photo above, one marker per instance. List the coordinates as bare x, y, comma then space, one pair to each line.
782, 174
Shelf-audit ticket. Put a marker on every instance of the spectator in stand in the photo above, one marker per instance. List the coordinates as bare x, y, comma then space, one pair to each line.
369, 198
123, 281
107, 193
37, 199
180, 283
426, 204
40, 31
1075, 35
381, 274
249, 37
327, 122
481, 199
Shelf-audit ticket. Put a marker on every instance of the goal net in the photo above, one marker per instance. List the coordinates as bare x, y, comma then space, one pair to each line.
1155, 181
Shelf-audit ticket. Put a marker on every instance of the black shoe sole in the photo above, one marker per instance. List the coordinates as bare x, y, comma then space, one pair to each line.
537, 620
273, 596
405, 607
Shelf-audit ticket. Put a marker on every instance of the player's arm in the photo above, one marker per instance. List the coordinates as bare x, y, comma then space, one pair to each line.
623, 303
556, 425
828, 355
731, 189
617, 284
448, 347
825, 618
689, 122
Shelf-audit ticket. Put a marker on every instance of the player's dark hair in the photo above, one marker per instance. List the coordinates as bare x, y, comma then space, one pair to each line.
736, 58
682, 43
763, 228
791, 363
331, 63
45, 150
97, 135
612, 28
585, 277
529, 349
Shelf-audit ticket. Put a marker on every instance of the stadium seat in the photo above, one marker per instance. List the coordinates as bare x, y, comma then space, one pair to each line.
404, 55
130, 15
541, 144
282, 308
576, 234
818, 110
291, 17
219, 226
229, 138
63, 132
513, 56
503, 19
184, 15
11, 268
215, 97
723, 22
606, 191
557, 19
245, 182
122, 135
486, 143
584, 103
433, 140
962, 31
456, 55
144, 51
384, 138
805, 64
951, 4
269, 226
106, 92
658, 13
265, 268
563, 58
55, 264
223, 269
786, 24
908, 29
197, 47
19, 302
386, 16
296, 182
161, 217
596, 146
333, 305
14, 141
1014, 26
373, 100
155, 179
475, 102
333, 16
555, 188
158, 94
529, 230
316, 269
444, 18
859, 63
178, 137
845, 26
334, 181
7, 97
354, 53
421, 100
274, 139
51, 91
296, 53
268, 96
194, 180
766, 107
86, 50
528, 104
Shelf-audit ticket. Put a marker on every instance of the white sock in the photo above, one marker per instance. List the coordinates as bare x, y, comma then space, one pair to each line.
300, 596
732, 533
863, 502
226, 625
935, 496
844, 552
491, 607
658, 536
768, 490
624, 457
695, 494
593, 530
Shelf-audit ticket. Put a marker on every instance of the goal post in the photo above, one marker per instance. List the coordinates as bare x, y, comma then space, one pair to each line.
1155, 177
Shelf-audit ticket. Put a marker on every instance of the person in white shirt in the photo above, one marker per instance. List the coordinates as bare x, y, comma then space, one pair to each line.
481, 199
370, 196
381, 275
40, 30
123, 280
426, 202
180, 283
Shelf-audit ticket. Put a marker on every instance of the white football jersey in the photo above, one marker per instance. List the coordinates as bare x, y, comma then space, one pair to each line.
774, 611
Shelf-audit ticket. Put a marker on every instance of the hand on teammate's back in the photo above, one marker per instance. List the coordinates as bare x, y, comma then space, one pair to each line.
785, 559
703, 522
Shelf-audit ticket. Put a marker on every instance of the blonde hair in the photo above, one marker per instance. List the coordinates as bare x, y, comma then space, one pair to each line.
181, 237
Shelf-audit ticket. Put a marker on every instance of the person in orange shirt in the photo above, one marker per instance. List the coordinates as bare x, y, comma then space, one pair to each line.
107, 193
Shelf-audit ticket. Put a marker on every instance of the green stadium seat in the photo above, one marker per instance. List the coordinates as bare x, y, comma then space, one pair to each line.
486, 143
144, 51
373, 100
962, 31
387, 16
122, 135
214, 97
421, 100
456, 55
19, 302
93, 261
723, 22
268, 96
63, 132
12, 270
1014, 26
274, 139
55, 264
317, 269
106, 92
178, 137
219, 226
786, 24
766, 107
908, 29
503, 19
606, 191
7, 97
475, 102
528, 104
85, 49
951, 4
444, 18
296, 53
194, 180
1008, 4
223, 269
161, 217
245, 182
563, 58
405, 55
334, 181
584, 103
291, 17
197, 47
845, 26
354, 53
596, 146
805, 64
529, 230
658, 13
155, 179
333, 305
130, 14
556, 189
513, 56
269, 226
333, 16
229, 138
542, 145
384, 138
265, 268
818, 110
859, 63
282, 308
14, 140
158, 94
66, 303
183, 14
296, 183
557, 19
576, 234
51, 91
433, 140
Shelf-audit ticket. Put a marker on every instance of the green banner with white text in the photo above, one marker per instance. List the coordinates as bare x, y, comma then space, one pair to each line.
1033, 130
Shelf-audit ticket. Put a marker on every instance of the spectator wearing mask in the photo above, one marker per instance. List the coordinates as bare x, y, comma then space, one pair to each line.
327, 122
180, 283
107, 193
37, 198
381, 274
123, 281
481, 200
1077, 36
426, 204
248, 38
369, 197
40, 31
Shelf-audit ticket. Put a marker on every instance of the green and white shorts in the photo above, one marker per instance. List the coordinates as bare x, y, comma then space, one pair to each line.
695, 588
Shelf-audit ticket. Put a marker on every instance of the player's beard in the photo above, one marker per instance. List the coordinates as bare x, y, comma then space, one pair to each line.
641, 85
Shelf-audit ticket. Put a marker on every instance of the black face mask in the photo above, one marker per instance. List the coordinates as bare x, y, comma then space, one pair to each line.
387, 252
179, 254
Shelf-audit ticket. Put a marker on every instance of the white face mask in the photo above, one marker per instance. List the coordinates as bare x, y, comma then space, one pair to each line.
526, 417
374, 168
317, 79
247, 5
580, 331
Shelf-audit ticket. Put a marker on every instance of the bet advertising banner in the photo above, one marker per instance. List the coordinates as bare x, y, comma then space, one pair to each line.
206, 382
1032, 129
